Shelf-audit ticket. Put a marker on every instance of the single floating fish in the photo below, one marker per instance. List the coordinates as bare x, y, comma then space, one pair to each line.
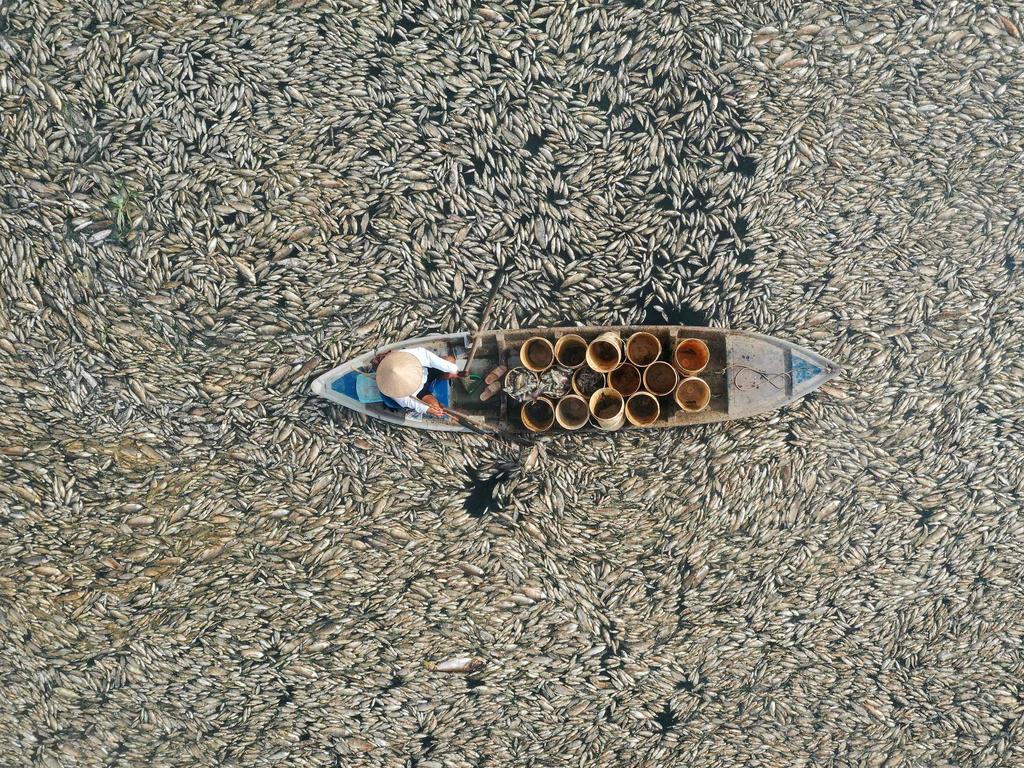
458, 664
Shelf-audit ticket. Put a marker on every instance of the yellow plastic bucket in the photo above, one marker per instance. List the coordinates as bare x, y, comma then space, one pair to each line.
642, 409
660, 378
571, 350
608, 408
643, 348
693, 395
538, 415
691, 356
572, 412
537, 354
604, 353
625, 379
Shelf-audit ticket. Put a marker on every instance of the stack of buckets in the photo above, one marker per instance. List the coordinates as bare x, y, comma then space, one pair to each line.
613, 381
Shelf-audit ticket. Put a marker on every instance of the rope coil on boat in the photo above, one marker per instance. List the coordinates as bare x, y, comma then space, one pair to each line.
769, 378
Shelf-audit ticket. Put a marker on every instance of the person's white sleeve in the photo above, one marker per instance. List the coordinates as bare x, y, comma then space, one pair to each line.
440, 363
412, 404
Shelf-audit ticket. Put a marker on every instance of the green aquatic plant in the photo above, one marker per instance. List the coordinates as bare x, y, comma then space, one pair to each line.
124, 206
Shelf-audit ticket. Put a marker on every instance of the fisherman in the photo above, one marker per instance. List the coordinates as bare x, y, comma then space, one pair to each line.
407, 377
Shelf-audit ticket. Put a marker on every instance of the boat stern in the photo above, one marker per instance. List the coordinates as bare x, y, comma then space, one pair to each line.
338, 385
319, 386
352, 385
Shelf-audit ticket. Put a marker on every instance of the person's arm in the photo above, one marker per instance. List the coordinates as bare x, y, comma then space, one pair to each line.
440, 363
413, 404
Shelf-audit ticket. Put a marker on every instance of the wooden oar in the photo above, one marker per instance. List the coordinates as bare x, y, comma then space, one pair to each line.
479, 333
482, 326
500, 434
472, 426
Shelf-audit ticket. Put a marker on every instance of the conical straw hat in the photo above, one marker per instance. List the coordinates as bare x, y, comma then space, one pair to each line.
399, 375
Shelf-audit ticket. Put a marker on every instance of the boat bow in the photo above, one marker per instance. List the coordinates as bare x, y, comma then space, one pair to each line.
764, 373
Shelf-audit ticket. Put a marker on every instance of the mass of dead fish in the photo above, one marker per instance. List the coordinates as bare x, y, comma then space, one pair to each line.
203, 205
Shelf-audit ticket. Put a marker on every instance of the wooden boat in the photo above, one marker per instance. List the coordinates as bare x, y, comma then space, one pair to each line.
748, 373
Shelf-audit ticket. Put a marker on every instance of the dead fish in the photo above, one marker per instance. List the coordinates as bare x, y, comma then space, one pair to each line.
834, 391
457, 664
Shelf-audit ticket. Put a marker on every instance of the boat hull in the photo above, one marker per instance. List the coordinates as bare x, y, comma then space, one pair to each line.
748, 374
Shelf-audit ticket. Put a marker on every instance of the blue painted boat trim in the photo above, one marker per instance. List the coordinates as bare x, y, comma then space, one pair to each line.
803, 370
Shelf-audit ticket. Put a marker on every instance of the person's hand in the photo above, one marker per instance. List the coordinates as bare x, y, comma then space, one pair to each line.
435, 410
450, 376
